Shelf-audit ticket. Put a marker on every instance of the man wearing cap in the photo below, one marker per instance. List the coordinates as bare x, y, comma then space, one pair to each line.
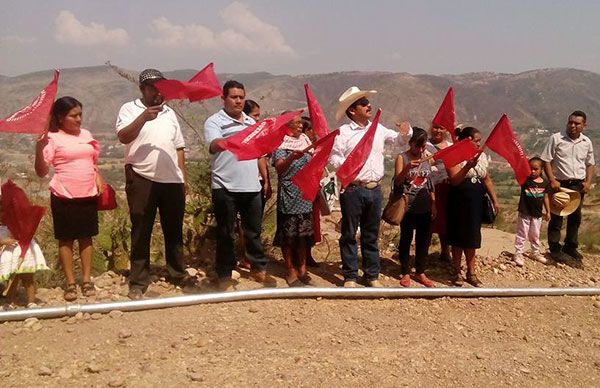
235, 189
361, 201
568, 163
155, 179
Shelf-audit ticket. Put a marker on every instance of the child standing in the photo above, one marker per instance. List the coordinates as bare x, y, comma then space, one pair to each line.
413, 175
534, 196
22, 270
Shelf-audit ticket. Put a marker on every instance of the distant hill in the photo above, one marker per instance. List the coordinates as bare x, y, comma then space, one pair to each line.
537, 99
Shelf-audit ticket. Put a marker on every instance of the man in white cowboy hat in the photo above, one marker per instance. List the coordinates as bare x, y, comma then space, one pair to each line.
568, 163
361, 201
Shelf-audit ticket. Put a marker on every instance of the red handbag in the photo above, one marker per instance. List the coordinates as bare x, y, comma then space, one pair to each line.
108, 199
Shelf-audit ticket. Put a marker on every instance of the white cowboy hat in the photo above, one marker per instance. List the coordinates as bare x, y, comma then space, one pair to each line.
349, 97
564, 202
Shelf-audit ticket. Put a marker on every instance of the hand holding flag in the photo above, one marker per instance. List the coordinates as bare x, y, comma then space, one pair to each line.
457, 153
309, 177
359, 155
259, 139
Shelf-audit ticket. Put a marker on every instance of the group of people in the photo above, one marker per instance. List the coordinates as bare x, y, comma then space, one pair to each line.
446, 201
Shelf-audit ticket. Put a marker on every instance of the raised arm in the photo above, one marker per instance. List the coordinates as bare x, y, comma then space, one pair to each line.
131, 131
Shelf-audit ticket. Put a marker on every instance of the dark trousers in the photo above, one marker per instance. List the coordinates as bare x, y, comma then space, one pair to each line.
573, 222
226, 205
360, 207
412, 224
144, 198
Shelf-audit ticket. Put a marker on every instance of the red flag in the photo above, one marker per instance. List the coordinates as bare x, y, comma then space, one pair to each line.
357, 158
456, 153
259, 139
317, 118
503, 141
19, 215
34, 117
445, 115
202, 86
308, 178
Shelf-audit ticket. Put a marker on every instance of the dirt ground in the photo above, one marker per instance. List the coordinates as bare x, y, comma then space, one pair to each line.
543, 341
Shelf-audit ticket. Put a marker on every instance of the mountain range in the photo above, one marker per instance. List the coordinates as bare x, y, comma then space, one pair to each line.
536, 99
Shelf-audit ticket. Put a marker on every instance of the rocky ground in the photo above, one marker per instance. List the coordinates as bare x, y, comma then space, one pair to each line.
544, 341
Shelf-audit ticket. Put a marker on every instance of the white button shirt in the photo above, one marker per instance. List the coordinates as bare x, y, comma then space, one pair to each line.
350, 135
569, 158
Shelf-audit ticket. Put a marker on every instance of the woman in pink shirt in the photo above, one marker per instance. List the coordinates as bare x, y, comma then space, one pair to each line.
74, 188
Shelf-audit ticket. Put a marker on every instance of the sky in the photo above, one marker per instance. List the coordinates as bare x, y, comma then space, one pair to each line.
301, 36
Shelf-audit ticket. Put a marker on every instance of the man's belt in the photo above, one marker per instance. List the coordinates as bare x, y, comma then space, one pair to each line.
570, 181
367, 185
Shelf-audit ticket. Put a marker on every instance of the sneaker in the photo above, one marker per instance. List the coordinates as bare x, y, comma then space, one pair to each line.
472, 280
573, 252
350, 284
537, 256
519, 260
135, 294
263, 278
374, 283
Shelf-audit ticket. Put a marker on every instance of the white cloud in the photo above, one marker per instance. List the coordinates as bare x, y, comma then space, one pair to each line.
69, 30
173, 35
15, 40
245, 31
238, 16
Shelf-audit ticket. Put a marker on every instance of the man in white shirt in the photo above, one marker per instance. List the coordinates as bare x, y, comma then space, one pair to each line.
155, 179
235, 189
361, 201
569, 162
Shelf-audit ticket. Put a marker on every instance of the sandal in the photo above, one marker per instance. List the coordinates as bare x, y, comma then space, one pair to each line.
88, 289
70, 292
405, 281
294, 283
472, 280
424, 280
307, 280
457, 279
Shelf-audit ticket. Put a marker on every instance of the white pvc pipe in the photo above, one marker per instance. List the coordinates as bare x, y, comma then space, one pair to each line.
290, 293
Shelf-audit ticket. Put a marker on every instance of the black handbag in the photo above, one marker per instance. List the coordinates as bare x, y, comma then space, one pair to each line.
488, 212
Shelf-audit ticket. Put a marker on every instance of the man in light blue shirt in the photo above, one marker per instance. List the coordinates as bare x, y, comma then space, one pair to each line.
235, 189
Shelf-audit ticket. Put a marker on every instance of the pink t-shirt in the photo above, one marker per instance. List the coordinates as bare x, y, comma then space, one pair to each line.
74, 159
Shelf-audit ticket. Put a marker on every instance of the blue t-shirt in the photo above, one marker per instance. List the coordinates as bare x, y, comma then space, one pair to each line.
227, 172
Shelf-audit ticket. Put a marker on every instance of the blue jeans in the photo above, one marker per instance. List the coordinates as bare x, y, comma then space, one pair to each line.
360, 207
226, 206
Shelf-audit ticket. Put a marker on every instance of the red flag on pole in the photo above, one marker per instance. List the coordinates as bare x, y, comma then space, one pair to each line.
259, 139
456, 153
445, 116
503, 141
317, 118
309, 177
34, 117
357, 158
20, 216
202, 86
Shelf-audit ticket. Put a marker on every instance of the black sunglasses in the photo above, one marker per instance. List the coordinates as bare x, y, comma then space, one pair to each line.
362, 102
